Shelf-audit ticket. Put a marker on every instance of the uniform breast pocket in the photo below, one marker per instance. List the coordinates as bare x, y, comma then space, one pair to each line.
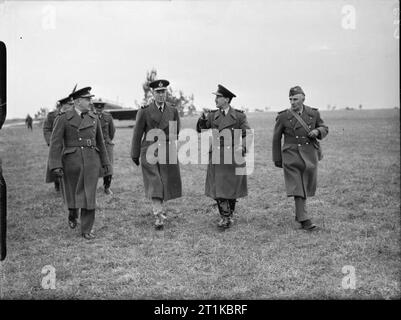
311, 122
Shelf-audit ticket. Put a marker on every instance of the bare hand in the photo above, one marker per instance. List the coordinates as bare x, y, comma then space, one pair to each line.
58, 172
313, 134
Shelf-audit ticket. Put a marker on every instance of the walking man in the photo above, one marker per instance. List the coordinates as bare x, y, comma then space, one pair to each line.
301, 126
223, 181
154, 143
108, 130
28, 122
77, 153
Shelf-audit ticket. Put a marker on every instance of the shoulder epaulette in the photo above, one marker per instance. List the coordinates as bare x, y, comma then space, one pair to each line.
282, 111
242, 111
214, 110
145, 106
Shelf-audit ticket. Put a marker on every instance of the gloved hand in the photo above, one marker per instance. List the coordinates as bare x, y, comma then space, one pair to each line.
278, 164
314, 133
136, 161
58, 172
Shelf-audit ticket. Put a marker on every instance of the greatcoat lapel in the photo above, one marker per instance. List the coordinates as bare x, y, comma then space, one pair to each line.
228, 120
155, 113
167, 115
73, 118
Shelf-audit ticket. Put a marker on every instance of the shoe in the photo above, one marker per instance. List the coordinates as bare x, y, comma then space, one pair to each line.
72, 223
88, 236
308, 225
159, 224
224, 223
108, 191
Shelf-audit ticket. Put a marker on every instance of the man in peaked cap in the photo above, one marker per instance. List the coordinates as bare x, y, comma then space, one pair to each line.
77, 153
223, 184
108, 130
161, 172
62, 105
301, 126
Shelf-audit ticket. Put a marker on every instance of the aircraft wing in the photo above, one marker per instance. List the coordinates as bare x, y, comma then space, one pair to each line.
123, 114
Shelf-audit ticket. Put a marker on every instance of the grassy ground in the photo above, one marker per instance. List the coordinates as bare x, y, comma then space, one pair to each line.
264, 256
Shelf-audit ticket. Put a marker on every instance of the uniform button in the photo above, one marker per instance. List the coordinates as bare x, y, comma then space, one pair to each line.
299, 145
79, 139
296, 137
228, 147
82, 147
218, 147
307, 143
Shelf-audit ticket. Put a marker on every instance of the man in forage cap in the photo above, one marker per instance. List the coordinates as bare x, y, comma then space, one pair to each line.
301, 126
108, 130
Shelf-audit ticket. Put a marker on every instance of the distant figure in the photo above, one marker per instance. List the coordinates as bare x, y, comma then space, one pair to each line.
301, 126
62, 104
108, 130
28, 122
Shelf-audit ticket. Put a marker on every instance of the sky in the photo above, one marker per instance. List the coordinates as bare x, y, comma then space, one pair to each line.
342, 53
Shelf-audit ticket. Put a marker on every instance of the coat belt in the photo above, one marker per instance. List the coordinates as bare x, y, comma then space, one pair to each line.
86, 143
297, 140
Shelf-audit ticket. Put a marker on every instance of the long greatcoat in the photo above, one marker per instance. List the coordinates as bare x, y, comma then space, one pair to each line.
222, 178
298, 154
77, 146
160, 169
108, 131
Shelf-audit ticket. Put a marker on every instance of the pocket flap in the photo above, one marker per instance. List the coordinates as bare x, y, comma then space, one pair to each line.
69, 150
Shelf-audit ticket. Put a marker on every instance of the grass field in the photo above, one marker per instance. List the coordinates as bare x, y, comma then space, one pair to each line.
264, 256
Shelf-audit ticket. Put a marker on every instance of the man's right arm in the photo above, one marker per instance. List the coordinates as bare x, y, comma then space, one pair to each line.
137, 136
276, 145
56, 143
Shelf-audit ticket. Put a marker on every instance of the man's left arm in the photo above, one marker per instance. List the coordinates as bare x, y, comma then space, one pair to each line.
247, 134
321, 127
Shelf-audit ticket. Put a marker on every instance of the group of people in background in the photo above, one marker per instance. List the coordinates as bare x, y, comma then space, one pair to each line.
80, 134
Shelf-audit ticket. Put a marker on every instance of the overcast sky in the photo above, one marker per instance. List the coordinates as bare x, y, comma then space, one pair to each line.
257, 49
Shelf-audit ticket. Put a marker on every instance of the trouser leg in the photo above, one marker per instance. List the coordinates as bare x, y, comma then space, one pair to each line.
232, 203
72, 214
57, 184
157, 208
300, 209
224, 207
87, 220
